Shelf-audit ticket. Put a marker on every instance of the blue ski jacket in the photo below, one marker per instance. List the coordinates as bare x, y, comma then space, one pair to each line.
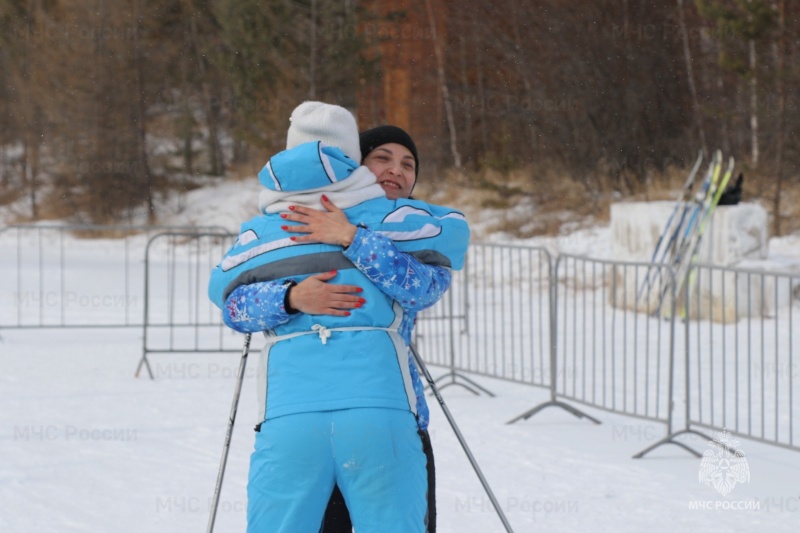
323, 362
415, 285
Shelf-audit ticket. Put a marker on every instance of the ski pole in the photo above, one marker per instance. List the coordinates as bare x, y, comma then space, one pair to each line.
227, 445
460, 437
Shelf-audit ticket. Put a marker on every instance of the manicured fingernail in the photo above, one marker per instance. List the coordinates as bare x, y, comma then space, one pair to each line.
292, 238
332, 272
291, 208
284, 227
284, 215
325, 198
362, 301
347, 313
358, 304
359, 289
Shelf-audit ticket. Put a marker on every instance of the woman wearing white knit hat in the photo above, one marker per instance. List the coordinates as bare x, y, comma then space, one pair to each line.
391, 154
339, 379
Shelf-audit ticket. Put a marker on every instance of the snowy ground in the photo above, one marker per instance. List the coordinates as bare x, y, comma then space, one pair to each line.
86, 447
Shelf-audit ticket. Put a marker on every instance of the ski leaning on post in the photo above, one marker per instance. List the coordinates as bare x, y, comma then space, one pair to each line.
680, 205
689, 245
685, 271
679, 238
700, 205
689, 208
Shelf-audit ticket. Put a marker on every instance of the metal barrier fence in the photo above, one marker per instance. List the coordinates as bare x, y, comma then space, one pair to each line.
743, 374
593, 332
613, 349
494, 321
612, 353
72, 276
178, 316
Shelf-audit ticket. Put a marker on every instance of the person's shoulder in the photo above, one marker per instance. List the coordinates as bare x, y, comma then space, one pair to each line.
260, 219
415, 202
260, 223
379, 204
432, 209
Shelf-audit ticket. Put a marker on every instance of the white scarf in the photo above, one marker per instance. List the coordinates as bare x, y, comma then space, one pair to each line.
359, 187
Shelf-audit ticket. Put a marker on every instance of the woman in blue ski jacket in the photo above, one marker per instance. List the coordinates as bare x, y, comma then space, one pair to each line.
390, 153
320, 372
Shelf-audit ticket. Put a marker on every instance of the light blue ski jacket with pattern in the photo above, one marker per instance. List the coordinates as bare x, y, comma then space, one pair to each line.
323, 362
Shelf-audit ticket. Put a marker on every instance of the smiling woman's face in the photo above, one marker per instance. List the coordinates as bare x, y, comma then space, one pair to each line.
394, 166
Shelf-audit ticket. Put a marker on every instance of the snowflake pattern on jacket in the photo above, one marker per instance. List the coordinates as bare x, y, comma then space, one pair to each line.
414, 285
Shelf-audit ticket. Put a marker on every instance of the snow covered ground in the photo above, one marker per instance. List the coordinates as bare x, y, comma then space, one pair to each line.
87, 447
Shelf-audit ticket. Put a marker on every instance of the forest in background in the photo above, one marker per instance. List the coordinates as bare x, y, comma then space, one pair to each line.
107, 104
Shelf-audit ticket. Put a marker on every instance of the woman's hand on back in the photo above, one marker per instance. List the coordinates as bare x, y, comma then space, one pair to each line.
328, 227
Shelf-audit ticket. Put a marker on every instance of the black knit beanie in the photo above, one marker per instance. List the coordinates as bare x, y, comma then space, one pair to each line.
371, 139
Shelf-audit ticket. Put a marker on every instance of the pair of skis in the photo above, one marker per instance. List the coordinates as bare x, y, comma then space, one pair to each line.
663, 248
684, 273
679, 241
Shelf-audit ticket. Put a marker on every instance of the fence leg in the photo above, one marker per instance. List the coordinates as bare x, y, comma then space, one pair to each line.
455, 376
554, 403
146, 363
553, 373
670, 439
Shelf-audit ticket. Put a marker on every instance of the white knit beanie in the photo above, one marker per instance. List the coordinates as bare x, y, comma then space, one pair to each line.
331, 124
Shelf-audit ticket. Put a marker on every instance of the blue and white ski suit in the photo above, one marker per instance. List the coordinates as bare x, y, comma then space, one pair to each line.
415, 285
325, 364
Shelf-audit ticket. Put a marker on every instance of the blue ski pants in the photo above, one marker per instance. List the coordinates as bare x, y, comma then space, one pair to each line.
374, 455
